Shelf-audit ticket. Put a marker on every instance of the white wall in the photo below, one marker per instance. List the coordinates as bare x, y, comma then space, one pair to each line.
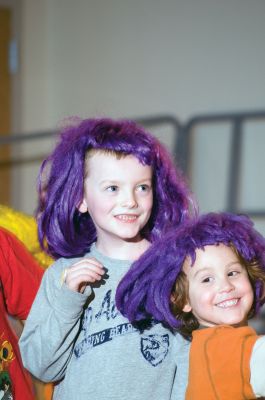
142, 57
139, 57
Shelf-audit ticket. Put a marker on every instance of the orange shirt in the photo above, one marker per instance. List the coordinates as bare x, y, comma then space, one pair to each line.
219, 365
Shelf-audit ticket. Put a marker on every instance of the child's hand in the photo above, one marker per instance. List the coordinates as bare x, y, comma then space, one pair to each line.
83, 272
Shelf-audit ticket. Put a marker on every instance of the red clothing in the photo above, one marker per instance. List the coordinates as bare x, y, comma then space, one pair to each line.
219, 363
20, 276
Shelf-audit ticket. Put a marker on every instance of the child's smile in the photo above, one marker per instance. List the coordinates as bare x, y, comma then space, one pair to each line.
228, 303
126, 218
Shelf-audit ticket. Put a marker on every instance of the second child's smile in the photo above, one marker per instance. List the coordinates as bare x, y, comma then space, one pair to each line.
228, 303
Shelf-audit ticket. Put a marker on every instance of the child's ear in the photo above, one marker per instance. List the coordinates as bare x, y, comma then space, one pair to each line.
187, 308
82, 206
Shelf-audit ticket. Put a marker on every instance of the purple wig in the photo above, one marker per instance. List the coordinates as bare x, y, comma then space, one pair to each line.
145, 290
63, 230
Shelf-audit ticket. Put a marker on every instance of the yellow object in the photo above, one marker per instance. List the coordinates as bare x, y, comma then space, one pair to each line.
24, 227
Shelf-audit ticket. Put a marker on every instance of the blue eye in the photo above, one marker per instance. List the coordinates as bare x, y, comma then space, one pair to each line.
144, 188
112, 188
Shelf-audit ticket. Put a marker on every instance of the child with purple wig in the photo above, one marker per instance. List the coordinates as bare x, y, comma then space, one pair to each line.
206, 279
108, 190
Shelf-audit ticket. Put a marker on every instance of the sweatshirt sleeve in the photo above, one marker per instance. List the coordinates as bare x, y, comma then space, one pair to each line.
52, 326
257, 367
182, 371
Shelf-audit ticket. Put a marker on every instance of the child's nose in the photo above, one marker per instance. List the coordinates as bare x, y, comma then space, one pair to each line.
225, 285
129, 199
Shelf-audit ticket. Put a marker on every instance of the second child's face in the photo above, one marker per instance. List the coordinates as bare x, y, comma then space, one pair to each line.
118, 195
219, 288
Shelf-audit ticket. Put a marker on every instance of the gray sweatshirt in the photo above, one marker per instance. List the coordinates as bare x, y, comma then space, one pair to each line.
84, 344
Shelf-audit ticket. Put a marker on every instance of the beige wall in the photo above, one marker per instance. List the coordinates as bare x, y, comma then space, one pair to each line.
141, 57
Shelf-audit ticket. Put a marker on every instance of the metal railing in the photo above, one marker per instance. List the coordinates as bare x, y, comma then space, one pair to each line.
237, 121
183, 135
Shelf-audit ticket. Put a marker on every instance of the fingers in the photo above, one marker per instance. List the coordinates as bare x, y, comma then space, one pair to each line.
84, 272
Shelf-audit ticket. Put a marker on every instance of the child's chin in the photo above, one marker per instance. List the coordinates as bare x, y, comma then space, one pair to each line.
235, 322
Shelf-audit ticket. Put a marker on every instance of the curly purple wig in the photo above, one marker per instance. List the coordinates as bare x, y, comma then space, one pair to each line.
145, 290
63, 230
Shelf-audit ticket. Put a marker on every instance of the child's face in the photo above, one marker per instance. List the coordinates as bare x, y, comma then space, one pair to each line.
118, 196
219, 288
